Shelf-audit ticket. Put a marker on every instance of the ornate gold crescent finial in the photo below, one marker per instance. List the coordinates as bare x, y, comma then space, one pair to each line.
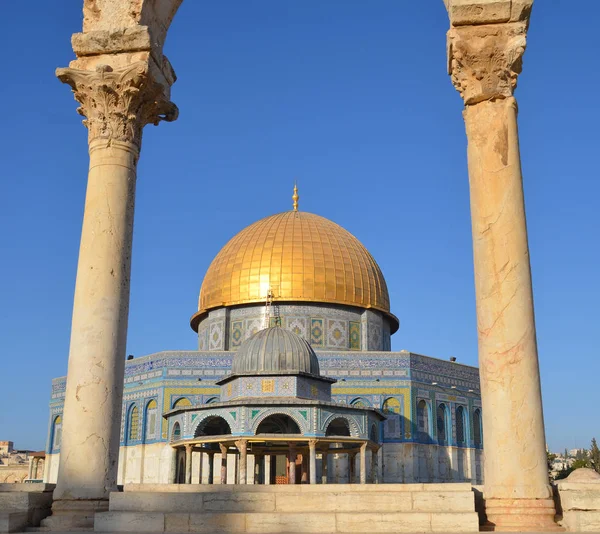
295, 197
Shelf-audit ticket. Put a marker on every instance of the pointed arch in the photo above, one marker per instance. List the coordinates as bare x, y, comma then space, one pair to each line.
151, 421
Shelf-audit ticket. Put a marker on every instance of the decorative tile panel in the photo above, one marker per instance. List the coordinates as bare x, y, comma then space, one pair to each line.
316, 332
237, 333
337, 334
354, 335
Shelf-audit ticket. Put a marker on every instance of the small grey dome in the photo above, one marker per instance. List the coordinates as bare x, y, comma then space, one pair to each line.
275, 350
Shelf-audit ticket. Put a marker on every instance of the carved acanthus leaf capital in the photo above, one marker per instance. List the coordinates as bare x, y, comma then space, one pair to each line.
485, 61
117, 104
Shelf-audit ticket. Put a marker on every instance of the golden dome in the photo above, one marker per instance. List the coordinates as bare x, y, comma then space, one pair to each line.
298, 256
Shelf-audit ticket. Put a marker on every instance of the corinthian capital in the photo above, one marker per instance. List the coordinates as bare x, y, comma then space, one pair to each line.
117, 104
485, 61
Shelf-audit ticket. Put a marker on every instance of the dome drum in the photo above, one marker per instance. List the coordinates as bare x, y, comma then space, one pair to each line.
327, 327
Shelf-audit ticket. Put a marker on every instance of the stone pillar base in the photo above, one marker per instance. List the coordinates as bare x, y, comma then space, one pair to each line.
520, 515
75, 514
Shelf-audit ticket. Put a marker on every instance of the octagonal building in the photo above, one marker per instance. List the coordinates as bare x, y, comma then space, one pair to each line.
418, 417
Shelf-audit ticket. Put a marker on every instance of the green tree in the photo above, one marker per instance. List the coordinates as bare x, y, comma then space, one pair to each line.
595, 456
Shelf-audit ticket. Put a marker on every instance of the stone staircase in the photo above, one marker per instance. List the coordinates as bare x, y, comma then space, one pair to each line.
24, 505
347, 508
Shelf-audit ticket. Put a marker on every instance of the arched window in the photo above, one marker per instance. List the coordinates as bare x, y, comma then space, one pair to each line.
392, 426
278, 424
213, 426
134, 424
176, 432
423, 421
460, 426
359, 402
182, 403
442, 424
151, 420
373, 435
338, 427
477, 437
57, 433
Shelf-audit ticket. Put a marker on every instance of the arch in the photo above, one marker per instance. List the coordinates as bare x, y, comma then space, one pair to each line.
392, 426
373, 434
461, 426
213, 425
231, 422
423, 427
360, 402
351, 421
477, 430
56, 437
182, 402
133, 423
275, 411
278, 423
176, 432
442, 427
339, 426
151, 420
212, 400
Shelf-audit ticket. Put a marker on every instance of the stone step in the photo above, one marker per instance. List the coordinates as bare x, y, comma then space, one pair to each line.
24, 501
302, 488
306, 502
13, 521
288, 522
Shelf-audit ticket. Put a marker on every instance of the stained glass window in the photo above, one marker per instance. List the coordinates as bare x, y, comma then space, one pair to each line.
151, 419
57, 436
441, 424
477, 428
134, 423
460, 425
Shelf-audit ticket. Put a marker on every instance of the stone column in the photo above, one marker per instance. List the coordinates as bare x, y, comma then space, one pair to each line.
324, 467
312, 468
30, 472
374, 466
211, 468
258, 467
267, 469
117, 105
200, 466
189, 449
242, 446
363, 463
292, 464
351, 468
224, 449
485, 48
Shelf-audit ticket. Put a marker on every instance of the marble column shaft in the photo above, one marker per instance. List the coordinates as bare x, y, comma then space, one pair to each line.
312, 469
188, 464
117, 105
363, 463
224, 450
292, 465
516, 477
242, 446
324, 467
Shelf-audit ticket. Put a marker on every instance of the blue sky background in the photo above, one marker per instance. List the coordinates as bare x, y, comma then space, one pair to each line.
352, 99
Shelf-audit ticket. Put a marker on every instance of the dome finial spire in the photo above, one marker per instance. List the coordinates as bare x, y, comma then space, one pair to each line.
295, 196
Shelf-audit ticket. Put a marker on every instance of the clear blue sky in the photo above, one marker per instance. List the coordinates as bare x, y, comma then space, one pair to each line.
352, 99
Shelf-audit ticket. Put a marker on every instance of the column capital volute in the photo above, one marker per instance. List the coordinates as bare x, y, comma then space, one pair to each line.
312, 443
118, 103
188, 447
485, 61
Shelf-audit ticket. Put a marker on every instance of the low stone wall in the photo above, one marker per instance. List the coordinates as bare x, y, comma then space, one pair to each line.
578, 501
10, 474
